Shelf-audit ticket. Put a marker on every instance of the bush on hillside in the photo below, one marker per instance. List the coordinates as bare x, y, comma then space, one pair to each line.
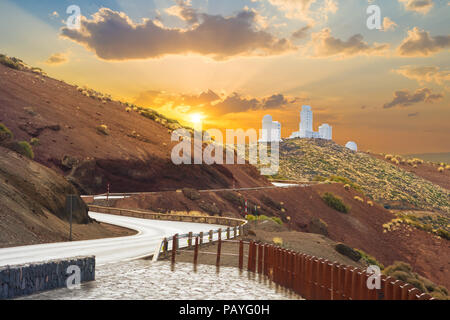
335, 202
191, 194
103, 129
34, 142
403, 271
22, 147
12, 63
348, 252
5, 133
317, 225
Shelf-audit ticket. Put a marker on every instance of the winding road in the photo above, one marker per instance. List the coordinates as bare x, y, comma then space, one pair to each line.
111, 250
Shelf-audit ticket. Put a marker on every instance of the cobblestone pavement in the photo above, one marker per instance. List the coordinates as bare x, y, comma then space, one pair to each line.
145, 280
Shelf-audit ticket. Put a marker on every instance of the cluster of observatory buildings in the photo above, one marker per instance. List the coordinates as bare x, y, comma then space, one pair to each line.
271, 130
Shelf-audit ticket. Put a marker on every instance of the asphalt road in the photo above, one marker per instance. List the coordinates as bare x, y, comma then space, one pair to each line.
111, 250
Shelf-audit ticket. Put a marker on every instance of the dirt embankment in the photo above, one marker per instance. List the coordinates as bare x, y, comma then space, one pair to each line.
361, 228
133, 154
33, 206
426, 170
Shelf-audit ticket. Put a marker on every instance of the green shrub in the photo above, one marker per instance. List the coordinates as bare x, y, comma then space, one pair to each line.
191, 194
209, 207
335, 202
317, 225
277, 220
12, 63
34, 141
23, 148
103, 129
5, 133
348, 252
271, 203
370, 260
443, 234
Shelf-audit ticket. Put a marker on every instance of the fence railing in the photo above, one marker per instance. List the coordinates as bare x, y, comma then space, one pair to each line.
310, 277
169, 217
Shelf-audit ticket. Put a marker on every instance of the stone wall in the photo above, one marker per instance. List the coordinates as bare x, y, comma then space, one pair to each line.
27, 279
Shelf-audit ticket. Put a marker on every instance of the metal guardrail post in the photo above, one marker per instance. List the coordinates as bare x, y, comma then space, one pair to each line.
210, 236
201, 238
235, 232
228, 233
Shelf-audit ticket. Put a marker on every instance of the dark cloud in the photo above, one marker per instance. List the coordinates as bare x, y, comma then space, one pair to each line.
274, 101
212, 103
420, 43
326, 45
406, 98
113, 36
301, 33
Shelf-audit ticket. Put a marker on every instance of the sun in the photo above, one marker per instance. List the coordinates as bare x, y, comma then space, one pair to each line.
196, 118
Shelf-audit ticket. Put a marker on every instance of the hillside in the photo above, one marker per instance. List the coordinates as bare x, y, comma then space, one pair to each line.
428, 170
96, 141
382, 181
32, 205
432, 157
363, 227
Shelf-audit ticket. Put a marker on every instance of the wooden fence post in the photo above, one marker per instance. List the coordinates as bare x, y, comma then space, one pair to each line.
196, 251
234, 232
174, 247
201, 238
228, 233
190, 240
241, 254
210, 236
219, 248
260, 258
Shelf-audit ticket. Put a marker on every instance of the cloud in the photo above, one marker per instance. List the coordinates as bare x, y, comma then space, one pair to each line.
424, 74
388, 24
114, 36
406, 98
212, 103
57, 58
301, 9
326, 45
415, 114
301, 33
420, 43
421, 6
184, 11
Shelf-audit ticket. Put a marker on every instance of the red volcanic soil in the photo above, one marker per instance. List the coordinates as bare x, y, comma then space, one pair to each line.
427, 170
65, 122
361, 228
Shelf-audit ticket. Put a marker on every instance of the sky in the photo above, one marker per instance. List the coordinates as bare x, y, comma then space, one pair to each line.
230, 62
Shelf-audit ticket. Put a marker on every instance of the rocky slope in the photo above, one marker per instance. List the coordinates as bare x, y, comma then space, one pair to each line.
382, 181
96, 141
33, 205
